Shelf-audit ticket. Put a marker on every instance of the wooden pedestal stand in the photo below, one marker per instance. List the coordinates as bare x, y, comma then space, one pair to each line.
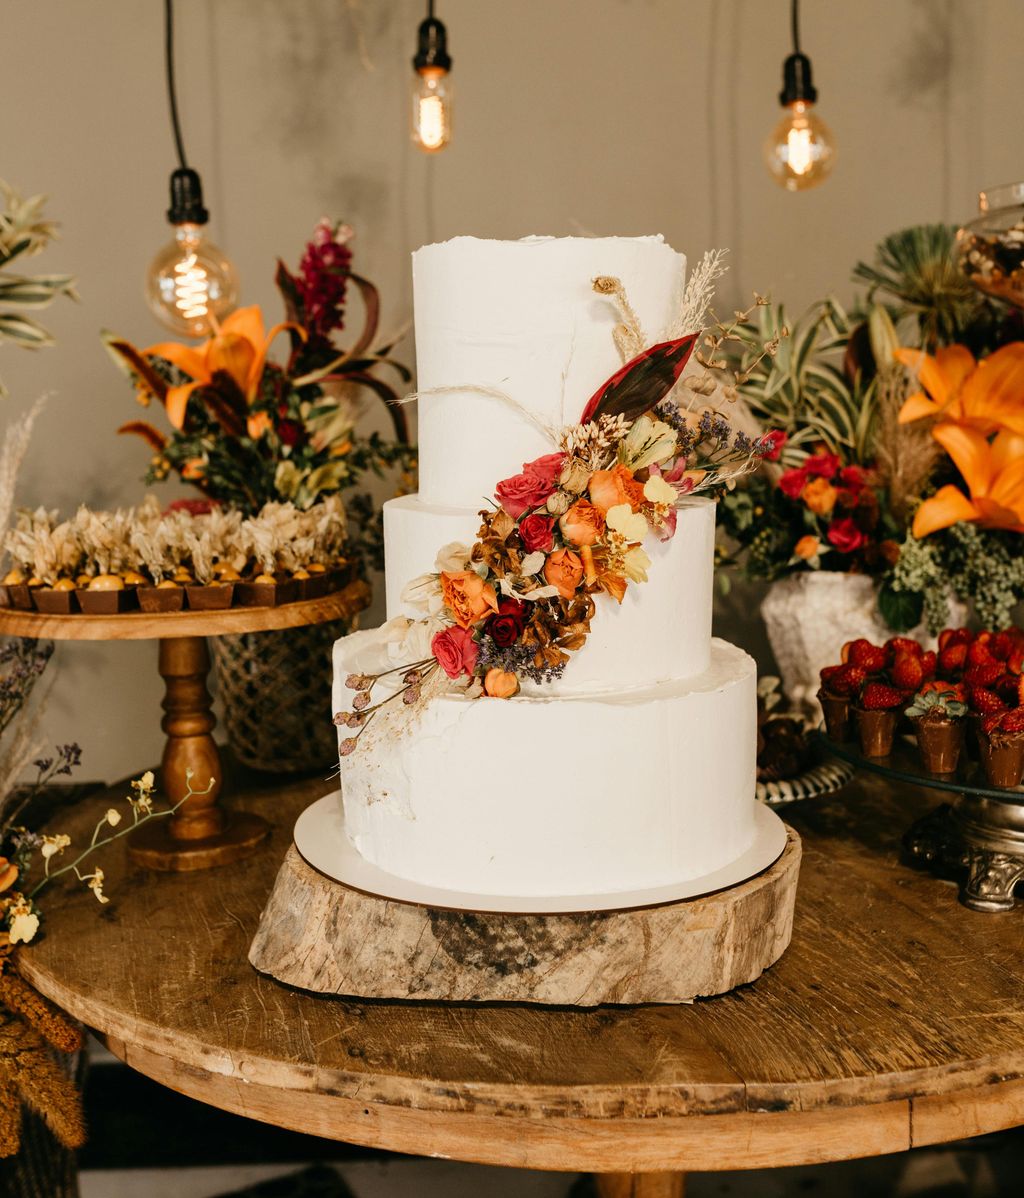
201, 833
322, 936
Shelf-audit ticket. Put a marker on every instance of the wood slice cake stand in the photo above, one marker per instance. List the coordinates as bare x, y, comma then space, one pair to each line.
326, 936
201, 833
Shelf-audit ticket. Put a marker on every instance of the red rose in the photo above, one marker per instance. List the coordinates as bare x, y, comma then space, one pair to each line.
823, 464
854, 477
290, 432
846, 536
771, 444
535, 533
792, 482
455, 651
546, 468
506, 626
521, 492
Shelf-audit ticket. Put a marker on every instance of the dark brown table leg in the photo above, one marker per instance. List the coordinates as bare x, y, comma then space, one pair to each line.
201, 833
640, 1185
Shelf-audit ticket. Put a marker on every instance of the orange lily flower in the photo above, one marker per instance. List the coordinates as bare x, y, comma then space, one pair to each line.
985, 395
238, 349
994, 473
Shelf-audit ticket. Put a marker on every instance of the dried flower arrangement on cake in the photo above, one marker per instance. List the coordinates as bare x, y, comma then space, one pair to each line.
570, 526
247, 430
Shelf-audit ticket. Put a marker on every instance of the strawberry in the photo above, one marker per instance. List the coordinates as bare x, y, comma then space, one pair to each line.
1008, 689
942, 687
1002, 645
990, 723
827, 673
851, 647
896, 645
906, 672
847, 680
983, 674
1015, 662
954, 636
952, 659
866, 655
929, 663
978, 652
876, 696
985, 702
1012, 721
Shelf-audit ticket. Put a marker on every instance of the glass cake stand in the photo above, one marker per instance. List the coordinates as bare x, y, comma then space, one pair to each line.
978, 834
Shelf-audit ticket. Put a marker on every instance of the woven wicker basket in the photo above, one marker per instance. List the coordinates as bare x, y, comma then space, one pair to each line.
275, 688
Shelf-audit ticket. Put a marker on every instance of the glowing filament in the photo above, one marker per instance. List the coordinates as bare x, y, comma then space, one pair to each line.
431, 126
800, 150
191, 288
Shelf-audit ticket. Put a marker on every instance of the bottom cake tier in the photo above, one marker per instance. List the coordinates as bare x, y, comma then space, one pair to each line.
562, 796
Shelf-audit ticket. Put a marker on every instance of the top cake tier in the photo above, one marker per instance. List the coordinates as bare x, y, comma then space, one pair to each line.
520, 317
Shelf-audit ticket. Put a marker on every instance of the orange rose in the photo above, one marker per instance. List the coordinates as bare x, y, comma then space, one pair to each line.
819, 495
258, 424
608, 488
807, 547
564, 570
467, 597
500, 684
582, 524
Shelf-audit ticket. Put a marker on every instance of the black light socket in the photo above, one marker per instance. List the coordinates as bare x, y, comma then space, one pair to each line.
187, 199
432, 47
796, 81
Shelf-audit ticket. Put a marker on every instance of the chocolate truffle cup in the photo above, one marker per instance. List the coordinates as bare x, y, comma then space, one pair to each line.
836, 709
1002, 758
101, 603
940, 743
877, 730
52, 602
20, 595
210, 597
161, 599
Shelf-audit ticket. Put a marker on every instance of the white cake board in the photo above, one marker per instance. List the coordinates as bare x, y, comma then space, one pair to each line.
321, 840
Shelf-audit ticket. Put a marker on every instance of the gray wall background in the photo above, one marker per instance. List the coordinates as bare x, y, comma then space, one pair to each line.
596, 116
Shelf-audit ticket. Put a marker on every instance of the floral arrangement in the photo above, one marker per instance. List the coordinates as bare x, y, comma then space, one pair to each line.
189, 544
922, 489
972, 678
568, 528
24, 232
247, 430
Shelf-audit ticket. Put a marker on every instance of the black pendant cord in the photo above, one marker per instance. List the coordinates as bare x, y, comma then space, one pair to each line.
794, 20
172, 93
430, 10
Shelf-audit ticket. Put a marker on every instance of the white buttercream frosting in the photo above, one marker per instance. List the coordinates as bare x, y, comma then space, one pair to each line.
520, 317
559, 796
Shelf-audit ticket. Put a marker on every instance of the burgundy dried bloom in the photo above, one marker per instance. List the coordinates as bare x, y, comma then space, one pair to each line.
323, 278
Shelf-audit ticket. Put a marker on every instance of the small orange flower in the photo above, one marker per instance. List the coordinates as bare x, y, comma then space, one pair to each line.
194, 468
467, 597
8, 874
500, 684
257, 424
819, 495
608, 488
807, 547
564, 571
582, 524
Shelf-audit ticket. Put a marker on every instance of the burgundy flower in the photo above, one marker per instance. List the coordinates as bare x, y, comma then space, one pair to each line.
846, 536
323, 278
506, 626
535, 533
823, 464
291, 433
455, 650
854, 477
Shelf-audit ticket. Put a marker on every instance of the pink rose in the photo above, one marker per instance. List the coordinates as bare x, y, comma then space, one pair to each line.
792, 482
455, 651
531, 488
823, 464
845, 536
546, 468
535, 533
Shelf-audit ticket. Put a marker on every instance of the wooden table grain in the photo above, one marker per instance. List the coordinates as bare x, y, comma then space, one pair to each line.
895, 1019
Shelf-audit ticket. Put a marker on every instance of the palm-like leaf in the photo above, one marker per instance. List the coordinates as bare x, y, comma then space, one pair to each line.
918, 269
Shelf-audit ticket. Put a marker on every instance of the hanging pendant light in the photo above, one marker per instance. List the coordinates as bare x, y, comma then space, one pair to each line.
190, 284
432, 89
799, 151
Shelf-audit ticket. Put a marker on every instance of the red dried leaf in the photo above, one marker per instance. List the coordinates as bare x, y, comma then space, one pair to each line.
642, 382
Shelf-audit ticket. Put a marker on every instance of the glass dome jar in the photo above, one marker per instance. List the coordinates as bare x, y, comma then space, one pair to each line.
991, 247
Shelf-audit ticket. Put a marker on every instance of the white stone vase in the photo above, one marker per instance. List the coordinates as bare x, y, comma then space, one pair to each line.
810, 616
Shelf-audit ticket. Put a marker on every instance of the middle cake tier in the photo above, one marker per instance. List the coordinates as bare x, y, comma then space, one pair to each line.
660, 631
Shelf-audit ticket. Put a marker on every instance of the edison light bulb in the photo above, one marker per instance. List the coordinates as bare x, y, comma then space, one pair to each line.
189, 282
800, 152
431, 109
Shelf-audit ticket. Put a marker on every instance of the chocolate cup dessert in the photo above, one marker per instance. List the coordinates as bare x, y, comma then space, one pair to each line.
52, 602
102, 603
1002, 757
836, 709
161, 599
210, 597
267, 594
940, 742
877, 730
315, 586
19, 595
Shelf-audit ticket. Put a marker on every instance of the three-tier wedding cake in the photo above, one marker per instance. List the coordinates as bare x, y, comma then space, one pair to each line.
633, 769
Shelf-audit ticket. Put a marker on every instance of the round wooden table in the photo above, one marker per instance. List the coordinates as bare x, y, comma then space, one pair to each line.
895, 1019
